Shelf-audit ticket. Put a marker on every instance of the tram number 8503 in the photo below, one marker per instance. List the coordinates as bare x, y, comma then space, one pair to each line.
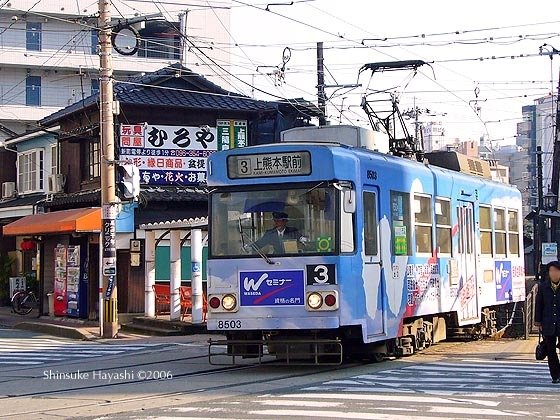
234, 324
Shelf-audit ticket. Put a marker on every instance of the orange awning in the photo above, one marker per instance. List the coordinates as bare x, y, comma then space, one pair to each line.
65, 221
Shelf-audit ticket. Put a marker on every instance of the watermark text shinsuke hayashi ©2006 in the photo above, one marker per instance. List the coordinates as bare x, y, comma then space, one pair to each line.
108, 376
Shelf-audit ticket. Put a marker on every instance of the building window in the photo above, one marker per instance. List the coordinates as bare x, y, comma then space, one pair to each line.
33, 91
485, 230
33, 36
30, 171
370, 223
400, 220
94, 159
94, 86
513, 232
443, 226
94, 41
54, 159
423, 223
500, 231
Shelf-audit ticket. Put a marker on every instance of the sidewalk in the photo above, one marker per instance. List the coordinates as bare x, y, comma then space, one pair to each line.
74, 328
82, 329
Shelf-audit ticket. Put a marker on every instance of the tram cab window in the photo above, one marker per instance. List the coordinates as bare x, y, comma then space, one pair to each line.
278, 222
423, 223
500, 230
485, 230
400, 222
443, 226
513, 232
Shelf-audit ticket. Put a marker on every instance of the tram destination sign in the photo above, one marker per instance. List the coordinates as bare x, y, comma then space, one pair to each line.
269, 165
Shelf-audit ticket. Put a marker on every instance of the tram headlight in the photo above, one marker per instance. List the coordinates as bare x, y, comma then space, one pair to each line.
229, 302
314, 300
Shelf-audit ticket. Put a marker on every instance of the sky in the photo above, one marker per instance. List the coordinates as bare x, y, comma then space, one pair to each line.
355, 32
499, 87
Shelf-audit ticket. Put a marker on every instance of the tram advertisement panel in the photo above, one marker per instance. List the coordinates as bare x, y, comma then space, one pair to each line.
272, 288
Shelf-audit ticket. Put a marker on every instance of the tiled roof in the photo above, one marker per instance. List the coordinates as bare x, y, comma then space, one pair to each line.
163, 193
174, 194
177, 224
173, 86
188, 99
78, 199
27, 200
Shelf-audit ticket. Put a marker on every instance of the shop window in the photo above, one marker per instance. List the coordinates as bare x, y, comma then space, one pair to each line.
400, 221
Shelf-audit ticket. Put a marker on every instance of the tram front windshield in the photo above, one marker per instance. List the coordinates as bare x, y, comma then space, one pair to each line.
274, 222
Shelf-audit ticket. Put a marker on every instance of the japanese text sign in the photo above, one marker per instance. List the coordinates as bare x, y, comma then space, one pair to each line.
271, 288
168, 155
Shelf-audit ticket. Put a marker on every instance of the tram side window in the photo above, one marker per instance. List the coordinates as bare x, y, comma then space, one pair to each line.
400, 221
513, 232
443, 226
500, 230
370, 224
486, 230
423, 223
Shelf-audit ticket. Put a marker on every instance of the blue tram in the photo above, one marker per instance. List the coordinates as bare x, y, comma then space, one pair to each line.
390, 254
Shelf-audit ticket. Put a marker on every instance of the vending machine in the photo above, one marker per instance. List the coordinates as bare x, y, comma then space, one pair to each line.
60, 300
71, 281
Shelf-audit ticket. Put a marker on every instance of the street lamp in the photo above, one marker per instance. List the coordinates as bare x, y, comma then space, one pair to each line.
550, 201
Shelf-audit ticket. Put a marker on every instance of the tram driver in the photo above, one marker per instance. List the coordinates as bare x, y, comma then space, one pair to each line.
282, 236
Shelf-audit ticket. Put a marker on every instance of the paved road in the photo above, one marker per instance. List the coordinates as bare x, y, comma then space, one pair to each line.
479, 380
465, 389
22, 348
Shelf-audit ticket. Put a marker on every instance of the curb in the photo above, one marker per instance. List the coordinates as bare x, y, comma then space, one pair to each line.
56, 330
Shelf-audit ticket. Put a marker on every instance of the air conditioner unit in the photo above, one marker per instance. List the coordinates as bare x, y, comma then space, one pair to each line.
8, 189
56, 183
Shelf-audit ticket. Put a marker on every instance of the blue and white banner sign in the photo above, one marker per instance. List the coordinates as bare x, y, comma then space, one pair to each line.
272, 288
168, 155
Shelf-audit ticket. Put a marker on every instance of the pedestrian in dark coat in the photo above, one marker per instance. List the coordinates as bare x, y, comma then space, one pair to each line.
547, 316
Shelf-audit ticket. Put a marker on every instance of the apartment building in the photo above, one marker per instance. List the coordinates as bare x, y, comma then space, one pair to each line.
49, 50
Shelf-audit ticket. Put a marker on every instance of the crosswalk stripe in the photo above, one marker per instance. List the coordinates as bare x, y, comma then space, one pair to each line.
340, 414
391, 398
39, 351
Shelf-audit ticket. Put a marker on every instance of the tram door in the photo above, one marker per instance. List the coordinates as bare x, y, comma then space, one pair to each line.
374, 287
468, 310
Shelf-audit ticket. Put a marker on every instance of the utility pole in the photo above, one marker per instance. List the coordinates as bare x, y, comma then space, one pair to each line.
321, 85
108, 196
539, 226
555, 182
184, 43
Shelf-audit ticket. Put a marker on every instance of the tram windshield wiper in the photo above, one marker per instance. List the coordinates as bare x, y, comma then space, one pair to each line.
252, 244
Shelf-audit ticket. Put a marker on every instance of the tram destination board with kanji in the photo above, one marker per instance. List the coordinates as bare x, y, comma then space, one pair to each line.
269, 165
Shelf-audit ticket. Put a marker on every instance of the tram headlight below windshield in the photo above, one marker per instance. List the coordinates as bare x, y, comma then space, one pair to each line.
314, 300
229, 302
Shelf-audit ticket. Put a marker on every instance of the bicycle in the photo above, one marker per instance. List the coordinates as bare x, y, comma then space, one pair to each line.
23, 302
